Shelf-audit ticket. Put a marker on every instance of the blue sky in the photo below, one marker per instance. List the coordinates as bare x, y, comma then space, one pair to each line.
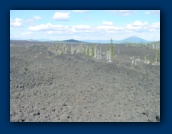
84, 24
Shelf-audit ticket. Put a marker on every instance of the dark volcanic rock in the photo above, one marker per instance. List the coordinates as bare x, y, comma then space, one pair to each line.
45, 87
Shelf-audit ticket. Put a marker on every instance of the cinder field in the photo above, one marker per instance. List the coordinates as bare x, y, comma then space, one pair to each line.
76, 83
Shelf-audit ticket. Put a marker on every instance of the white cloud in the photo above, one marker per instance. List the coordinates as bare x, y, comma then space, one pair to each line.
15, 22
121, 12
27, 33
157, 12
47, 27
80, 28
14, 36
109, 27
37, 17
61, 16
104, 30
54, 32
32, 20
106, 26
51, 32
156, 25
107, 23
138, 25
81, 11
50, 28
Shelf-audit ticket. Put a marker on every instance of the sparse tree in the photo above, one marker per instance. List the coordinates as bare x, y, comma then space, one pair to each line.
157, 54
112, 49
105, 51
93, 51
87, 52
109, 56
100, 52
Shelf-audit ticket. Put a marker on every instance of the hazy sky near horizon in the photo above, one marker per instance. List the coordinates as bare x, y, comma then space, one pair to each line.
84, 24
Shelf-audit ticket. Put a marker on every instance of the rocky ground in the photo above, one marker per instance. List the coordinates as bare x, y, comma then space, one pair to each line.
74, 88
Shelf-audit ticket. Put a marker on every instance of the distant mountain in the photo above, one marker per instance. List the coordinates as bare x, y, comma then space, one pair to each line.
73, 41
134, 39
